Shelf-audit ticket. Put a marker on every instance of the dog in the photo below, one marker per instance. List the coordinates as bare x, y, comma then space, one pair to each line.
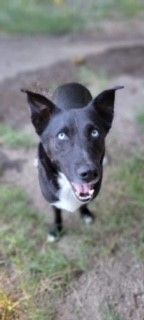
72, 127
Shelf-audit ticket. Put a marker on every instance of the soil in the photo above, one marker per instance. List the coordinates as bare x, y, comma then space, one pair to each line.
118, 281
114, 284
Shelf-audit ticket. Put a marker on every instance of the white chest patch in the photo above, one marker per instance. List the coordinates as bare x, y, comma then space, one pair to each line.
67, 199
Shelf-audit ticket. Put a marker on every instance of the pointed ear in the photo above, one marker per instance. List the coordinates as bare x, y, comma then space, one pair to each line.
41, 109
104, 105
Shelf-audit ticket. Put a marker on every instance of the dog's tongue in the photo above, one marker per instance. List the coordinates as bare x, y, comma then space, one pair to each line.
82, 188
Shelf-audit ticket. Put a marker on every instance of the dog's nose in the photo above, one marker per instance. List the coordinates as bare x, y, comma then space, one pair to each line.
87, 174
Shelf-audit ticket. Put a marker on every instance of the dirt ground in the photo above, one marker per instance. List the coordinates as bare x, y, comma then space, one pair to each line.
119, 280
115, 283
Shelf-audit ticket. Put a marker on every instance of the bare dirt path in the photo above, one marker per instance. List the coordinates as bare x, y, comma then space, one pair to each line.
113, 284
22, 54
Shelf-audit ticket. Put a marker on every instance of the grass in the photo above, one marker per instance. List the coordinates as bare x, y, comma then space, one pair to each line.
41, 269
60, 16
123, 8
94, 80
140, 120
37, 17
15, 139
34, 272
134, 176
120, 210
112, 315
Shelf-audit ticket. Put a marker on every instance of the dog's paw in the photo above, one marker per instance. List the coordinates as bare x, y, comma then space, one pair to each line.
53, 236
88, 219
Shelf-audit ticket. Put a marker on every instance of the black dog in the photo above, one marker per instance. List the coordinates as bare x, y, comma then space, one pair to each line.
72, 130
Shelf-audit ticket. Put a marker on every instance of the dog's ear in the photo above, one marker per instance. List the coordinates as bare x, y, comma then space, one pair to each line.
41, 109
104, 105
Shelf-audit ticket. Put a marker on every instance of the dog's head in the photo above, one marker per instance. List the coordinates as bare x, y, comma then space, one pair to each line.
72, 128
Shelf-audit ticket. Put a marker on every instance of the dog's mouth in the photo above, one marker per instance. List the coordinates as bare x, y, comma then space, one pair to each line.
84, 192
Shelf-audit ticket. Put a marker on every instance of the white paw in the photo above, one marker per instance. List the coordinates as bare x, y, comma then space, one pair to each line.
88, 220
51, 238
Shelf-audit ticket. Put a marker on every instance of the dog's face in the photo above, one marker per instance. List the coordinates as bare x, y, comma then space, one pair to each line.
74, 139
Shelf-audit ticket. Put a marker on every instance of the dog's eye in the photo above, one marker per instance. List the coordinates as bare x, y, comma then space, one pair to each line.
94, 133
62, 135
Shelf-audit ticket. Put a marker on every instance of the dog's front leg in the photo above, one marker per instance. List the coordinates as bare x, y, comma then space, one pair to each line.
55, 232
86, 215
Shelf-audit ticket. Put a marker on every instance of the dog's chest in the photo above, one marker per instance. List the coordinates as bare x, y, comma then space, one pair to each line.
67, 199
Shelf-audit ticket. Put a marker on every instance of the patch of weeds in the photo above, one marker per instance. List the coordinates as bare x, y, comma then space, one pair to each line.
129, 8
43, 269
96, 81
10, 307
131, 202
86, 74
140, 120
7, 307
15, 139
112, 315
99, 80
114, 8
133, 176
38, 17
24, 223
60, 16
15, 306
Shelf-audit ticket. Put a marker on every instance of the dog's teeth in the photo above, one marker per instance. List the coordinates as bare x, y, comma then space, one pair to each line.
84, 198
91, 191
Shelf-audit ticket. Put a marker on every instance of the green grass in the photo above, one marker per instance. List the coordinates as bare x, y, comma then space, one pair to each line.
37, 17
24, 223
112, 315
120, 210
123, 8
97, 80
43, 269
46, 16
140, 120
134, 177
15, 138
